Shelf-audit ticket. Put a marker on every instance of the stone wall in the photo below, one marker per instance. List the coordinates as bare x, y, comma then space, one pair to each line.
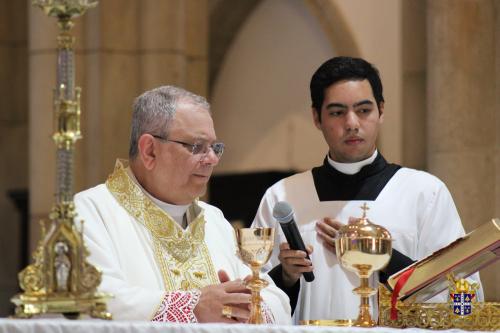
13, 139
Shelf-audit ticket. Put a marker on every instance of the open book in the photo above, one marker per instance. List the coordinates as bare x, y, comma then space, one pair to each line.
464, 256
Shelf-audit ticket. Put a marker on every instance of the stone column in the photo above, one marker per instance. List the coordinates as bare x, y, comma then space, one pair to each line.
462, 127
414, 50
134, 46
496, 152
13, 140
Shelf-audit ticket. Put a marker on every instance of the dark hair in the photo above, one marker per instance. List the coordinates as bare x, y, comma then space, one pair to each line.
339, 69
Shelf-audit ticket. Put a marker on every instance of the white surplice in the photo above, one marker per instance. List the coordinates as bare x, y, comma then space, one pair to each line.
123, 249
414, 206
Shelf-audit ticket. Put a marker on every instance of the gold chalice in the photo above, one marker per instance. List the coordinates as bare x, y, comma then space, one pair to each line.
255, 247
363, 248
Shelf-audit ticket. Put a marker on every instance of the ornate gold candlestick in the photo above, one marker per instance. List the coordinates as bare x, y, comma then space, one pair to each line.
61, 280
363, 248
255, 247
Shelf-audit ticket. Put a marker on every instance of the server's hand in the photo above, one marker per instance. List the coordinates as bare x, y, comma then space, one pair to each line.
327, 229
294, 263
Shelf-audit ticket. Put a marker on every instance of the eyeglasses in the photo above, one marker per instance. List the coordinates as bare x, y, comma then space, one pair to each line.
200, 148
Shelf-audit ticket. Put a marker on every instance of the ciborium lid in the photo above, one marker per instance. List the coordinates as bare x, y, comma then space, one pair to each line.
363, 228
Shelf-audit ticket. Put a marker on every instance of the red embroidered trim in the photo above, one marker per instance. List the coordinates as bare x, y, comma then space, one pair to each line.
177, 307
267, 313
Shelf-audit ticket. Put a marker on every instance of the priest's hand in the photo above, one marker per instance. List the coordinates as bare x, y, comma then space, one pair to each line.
327, 229
294, 263
231, 296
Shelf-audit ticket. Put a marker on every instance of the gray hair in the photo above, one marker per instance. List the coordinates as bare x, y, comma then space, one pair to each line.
154, 110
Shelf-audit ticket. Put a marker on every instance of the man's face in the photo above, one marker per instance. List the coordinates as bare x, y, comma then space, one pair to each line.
182, 176
350, 120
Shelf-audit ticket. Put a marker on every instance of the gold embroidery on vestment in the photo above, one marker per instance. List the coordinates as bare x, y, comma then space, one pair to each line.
182, 255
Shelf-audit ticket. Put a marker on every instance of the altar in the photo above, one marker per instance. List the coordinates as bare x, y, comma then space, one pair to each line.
60, 325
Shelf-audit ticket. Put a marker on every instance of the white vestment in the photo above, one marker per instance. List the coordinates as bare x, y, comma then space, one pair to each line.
139, 274
414, 206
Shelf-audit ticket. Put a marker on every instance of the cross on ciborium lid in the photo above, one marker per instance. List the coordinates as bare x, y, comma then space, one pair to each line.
363, 228
364, 208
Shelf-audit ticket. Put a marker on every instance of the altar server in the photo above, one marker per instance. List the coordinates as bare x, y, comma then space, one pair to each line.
415, 206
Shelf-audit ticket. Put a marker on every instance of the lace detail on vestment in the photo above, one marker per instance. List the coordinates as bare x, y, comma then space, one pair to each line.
178, 307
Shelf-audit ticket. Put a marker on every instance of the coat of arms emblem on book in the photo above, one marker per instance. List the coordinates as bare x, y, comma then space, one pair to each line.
462, 296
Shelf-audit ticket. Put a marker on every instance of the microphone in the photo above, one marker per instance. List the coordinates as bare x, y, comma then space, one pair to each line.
283, 213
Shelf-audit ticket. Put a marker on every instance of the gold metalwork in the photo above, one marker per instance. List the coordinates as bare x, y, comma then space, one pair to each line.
437, 316
461, 285
67, 119
227, 311
61, 280
333, 322
182, 255
255, 246
363, 248
65, 10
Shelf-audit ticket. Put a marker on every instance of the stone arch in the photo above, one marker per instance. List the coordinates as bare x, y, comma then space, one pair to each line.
335, 26
227, 16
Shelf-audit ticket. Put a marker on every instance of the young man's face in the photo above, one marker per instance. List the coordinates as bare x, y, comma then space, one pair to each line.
350, 120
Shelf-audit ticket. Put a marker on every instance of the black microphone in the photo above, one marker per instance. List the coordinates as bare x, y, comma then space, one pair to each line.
283, 213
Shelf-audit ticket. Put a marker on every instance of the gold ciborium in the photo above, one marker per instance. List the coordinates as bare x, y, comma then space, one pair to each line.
255, 246
363, 248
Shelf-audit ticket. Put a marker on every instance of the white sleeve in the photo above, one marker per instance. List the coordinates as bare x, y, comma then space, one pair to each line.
440, 226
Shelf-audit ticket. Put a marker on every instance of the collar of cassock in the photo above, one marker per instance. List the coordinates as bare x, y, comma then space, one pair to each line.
351, 168
177, 212
365, 184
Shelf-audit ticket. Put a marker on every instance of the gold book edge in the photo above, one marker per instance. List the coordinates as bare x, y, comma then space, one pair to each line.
464, 256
